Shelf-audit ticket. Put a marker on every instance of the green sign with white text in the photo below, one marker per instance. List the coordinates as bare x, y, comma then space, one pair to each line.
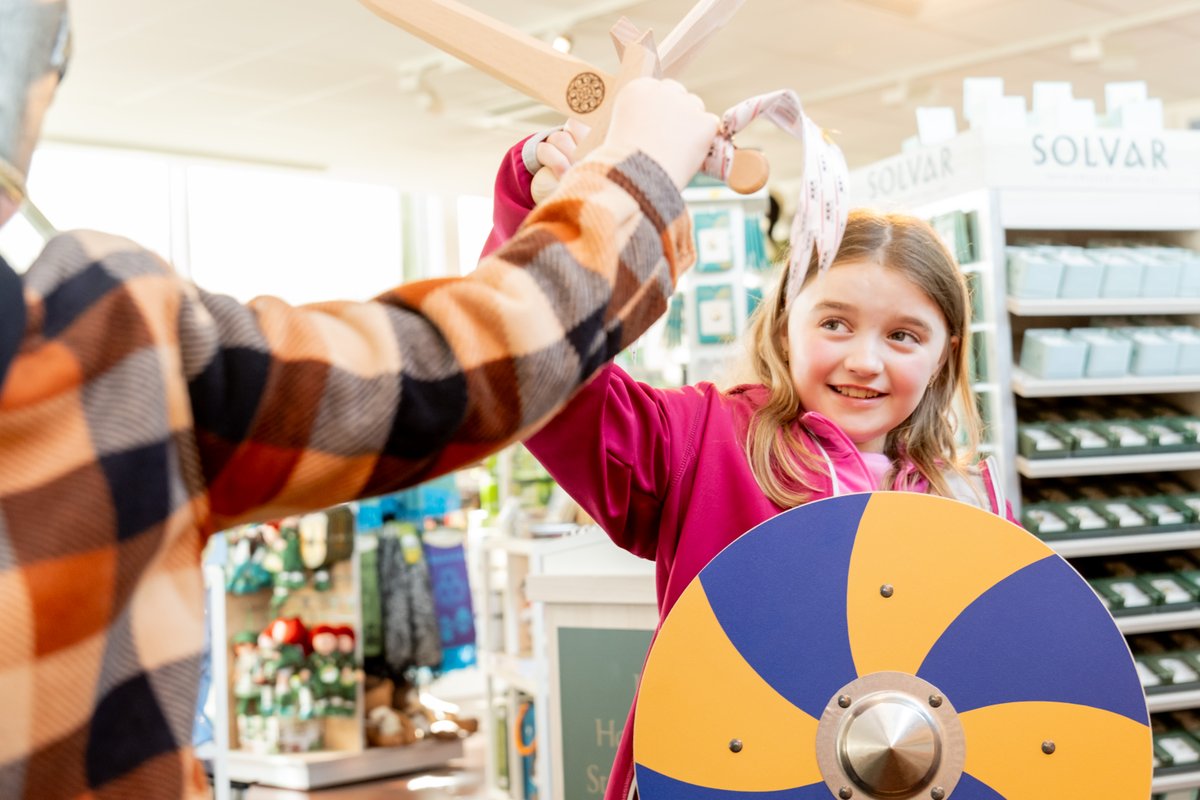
598, 674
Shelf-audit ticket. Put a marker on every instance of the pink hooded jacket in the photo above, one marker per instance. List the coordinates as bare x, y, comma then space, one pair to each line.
664, 471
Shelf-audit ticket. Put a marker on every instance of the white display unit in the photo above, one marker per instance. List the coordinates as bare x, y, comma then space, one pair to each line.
514, 651
1069, 184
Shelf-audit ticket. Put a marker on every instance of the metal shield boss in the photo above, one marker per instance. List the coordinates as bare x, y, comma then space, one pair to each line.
890, 645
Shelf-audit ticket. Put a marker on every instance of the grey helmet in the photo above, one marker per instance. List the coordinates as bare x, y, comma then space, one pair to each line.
35, 44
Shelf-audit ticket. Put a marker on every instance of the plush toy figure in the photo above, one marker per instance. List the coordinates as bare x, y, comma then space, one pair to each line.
266, 662
348, 669
314, 550
291, 575
245, 659
287, 698
326, 670
289, 639
301, 685
247, 574
290, 630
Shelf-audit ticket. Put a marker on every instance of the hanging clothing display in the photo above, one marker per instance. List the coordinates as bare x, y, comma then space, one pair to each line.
410, 628
447, 559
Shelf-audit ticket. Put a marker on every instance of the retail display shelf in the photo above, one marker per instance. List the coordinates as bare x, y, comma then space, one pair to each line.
304, 771
522, 673
1163, 621
636, 589
1027, 385
534, 545
1004, 198
1103, 305
1173, 701
1133, 543
1106, 465
1175, 783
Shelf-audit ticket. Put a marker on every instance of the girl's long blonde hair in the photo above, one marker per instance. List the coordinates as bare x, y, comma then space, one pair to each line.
780, 461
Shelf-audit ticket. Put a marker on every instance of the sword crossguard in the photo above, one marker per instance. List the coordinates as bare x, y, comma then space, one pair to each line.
748, 170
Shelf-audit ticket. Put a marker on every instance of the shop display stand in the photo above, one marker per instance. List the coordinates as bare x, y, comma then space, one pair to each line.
346, 758
1068, 186
512, 657
514, 653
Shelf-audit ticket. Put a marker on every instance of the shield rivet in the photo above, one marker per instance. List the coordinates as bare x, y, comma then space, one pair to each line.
735, 745
1048, 748
938, 793
887, 590
935, 700
844, 701
845, 793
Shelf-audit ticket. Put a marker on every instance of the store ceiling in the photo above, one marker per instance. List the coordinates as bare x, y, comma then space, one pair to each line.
325, 84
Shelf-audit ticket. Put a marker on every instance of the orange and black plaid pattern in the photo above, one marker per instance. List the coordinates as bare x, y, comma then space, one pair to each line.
140, 414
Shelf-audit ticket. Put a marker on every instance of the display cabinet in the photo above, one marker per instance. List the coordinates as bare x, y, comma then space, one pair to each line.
1075, 188
315, 737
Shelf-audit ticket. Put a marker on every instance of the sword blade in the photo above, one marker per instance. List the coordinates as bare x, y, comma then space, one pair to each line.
566, 83
683, 43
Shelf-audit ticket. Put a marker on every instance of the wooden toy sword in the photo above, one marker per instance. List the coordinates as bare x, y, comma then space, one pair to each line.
568, 84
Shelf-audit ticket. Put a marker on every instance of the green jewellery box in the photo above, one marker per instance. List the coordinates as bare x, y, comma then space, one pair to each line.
1191, 576
1179, 750
1126, 596
1188, 426
1170, 435
1155, 679
1122, 515
1091, 439
1189, 499
1178, 593
1178, 671
1044, 440
1164, 511
1128, 437
1046, 521
1089, 516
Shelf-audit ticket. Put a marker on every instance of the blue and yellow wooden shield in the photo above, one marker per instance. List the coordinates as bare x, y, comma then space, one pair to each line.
890, 645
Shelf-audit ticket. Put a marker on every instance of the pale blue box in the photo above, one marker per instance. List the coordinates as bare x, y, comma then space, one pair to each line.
1052, 353
1122, 273
1189, 349
1153, 353
1189, 268
1032, 275
1082, 275
1108, 354
1163, 273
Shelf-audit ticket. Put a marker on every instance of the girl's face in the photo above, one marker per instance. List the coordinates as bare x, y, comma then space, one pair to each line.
863, 344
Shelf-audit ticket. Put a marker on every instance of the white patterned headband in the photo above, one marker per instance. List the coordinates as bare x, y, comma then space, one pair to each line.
822, 208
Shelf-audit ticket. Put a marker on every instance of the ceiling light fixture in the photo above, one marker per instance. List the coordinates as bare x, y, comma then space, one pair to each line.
895, 95
1089, 51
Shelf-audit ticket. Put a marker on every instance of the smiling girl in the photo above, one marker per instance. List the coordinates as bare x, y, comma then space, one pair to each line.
854, 386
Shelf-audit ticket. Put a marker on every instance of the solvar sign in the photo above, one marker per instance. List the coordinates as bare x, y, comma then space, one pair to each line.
1031, 159
1098, 151
910, 173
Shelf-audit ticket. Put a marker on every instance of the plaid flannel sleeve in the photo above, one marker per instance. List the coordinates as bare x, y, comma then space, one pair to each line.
304, 407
